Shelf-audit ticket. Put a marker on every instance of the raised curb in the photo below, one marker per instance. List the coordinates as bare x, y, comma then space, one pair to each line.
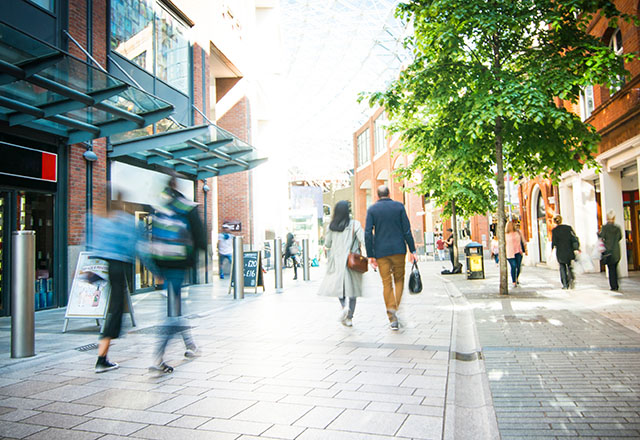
469, 411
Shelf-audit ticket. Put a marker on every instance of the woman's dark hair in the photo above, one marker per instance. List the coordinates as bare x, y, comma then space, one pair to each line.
340, 219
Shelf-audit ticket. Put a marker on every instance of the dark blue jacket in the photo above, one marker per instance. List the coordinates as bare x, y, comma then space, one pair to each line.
387, 229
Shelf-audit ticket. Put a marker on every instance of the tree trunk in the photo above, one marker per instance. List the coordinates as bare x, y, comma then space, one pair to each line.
454, 226
504, 281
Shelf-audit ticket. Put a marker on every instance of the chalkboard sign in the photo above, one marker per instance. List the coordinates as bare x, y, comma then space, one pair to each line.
252, 271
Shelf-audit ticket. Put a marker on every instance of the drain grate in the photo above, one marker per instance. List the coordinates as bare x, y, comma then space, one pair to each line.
87, 347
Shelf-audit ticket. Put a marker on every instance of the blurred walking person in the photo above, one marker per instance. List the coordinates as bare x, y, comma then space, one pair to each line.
440, 247
566, 243
114, 240
291, 250
611, 234
515, 249
225, 251
344, 236
177, 234
387, 235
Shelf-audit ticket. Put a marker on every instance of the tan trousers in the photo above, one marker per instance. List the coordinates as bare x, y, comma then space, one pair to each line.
390, 267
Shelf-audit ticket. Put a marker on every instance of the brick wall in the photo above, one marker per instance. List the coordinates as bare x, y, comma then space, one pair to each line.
234, 190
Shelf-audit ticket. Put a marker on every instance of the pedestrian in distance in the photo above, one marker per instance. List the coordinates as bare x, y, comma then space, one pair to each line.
495, 249
387, 235
291, 251
440, 247
515, 250
566, 244
114, 240
611, 234
177, 234
344, 236
225, 251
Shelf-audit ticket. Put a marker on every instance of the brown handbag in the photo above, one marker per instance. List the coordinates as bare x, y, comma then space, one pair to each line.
355, 261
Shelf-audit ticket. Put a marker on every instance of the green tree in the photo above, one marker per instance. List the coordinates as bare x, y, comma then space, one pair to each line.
478, 98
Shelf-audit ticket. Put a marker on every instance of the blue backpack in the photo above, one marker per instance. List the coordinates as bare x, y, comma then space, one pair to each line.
171, 239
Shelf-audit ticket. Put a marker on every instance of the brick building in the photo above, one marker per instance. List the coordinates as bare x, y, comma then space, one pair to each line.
583, 198
110, 96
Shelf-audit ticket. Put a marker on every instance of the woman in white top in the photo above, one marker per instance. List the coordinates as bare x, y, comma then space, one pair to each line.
343, 236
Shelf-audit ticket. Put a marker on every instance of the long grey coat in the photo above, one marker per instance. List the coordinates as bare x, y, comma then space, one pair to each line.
339, 278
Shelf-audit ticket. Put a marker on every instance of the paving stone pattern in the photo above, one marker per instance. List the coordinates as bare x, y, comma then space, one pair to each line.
561, 364
277, 366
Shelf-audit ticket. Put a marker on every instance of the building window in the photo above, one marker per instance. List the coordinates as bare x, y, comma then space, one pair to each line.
615, 44
363, 147
151, 37
380, 141
45, 4
586, 102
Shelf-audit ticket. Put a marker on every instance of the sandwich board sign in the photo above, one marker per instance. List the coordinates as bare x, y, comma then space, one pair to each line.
252, 271
91, 291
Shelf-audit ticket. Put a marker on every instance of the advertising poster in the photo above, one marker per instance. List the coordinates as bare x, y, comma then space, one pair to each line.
90, 288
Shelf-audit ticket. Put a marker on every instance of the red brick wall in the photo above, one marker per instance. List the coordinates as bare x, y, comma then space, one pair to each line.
529, 206
77, 165
234, 190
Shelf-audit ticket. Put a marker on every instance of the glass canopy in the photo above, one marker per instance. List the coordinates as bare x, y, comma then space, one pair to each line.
45, 89
197, 152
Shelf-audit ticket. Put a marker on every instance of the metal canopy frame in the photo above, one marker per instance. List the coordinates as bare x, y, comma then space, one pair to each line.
45, 89
196, 152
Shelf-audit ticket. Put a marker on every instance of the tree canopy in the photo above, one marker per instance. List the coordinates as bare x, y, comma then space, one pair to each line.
478, 98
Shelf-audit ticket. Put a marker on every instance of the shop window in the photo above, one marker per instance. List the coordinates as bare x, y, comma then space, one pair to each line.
586, 102
615, 44
151, 37
363, 147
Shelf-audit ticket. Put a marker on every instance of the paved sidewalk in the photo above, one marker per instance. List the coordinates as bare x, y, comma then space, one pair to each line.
272, 366
561, 364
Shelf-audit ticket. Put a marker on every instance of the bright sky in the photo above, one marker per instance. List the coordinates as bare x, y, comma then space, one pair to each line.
333, 50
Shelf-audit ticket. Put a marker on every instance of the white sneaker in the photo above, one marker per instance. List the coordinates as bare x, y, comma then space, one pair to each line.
347, 322
344, 314
192, 352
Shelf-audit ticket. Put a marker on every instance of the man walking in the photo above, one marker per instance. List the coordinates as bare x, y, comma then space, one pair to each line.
611, 236
387, 235
564, 240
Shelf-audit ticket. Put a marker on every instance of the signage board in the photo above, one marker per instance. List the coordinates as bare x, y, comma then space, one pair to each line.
28, 163
252, 271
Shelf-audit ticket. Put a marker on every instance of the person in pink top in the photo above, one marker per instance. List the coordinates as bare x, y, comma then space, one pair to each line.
514, 242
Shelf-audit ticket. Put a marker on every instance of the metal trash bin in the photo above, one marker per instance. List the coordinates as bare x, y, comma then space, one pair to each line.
475, 261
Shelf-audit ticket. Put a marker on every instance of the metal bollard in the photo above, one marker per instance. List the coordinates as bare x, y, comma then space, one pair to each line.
277, 263
23, 310
305, 259
238, 266
174, 302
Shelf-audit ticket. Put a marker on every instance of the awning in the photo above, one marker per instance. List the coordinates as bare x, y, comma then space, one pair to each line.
45, 89
197, 152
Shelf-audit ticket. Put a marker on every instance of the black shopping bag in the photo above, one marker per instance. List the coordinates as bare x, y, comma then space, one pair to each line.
415, 281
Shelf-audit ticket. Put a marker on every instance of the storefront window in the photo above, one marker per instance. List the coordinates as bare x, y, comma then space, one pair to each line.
172, 56
149, 36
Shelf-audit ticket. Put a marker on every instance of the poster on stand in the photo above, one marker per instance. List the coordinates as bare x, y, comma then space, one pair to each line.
90, 288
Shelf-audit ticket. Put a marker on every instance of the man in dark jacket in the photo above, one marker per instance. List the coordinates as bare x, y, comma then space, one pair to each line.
387, 234
611, 236
566, 243
179, 256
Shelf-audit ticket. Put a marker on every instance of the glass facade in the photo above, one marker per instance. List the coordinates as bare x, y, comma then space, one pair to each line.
46, 4
149, 36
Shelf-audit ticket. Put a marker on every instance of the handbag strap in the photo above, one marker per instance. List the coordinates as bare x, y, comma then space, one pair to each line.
353, 235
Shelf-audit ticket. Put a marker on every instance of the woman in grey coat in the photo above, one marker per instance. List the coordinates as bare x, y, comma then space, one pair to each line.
343, 236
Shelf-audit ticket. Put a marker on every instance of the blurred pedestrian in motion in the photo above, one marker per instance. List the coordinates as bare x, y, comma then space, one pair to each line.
440, 247
291, 250
387, 235
114, 240
225, 251
611, 234
344, 236
515, 250
495, 249
566, 243
177, 234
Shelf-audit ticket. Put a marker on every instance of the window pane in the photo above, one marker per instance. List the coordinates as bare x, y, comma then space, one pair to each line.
132, 31
172, 46
46, 4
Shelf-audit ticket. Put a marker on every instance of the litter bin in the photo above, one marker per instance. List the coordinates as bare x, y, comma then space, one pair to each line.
475, 261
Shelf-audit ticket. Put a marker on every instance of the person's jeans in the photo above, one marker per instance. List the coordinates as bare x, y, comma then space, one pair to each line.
612, 268
392, 267
441, 254
352, 305
173, 279
566, 275
515, 263
221, 259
